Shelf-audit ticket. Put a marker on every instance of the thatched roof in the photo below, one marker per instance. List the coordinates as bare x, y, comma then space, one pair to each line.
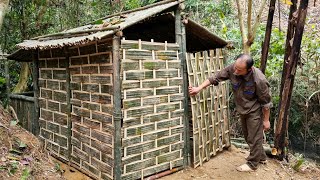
153, 22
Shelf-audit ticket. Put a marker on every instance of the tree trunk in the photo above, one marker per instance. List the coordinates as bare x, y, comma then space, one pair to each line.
266, 42
290, 33
294, 55
23, 79
22, 84
3, 7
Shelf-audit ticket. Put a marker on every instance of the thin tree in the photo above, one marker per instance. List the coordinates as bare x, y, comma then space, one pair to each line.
266, 42
248, 39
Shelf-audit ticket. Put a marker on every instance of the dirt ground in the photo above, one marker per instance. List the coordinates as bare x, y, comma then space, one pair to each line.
223, 167
21, 155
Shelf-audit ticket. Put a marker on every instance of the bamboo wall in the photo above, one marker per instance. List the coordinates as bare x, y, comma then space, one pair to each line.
23, 105
92, 108
152, 132
53, 118
210, 122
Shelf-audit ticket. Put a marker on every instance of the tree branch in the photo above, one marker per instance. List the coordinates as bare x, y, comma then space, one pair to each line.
256, 24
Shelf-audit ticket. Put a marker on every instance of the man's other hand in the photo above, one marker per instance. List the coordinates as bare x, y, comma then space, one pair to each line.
266, 125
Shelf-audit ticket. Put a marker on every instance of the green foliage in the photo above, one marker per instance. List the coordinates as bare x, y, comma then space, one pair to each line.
12, 169
299, 161
25, 174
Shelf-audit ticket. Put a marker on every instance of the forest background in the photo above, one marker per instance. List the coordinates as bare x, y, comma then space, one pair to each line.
30, 18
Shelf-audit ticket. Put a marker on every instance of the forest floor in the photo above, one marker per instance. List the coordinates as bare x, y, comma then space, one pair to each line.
22, 157
21, 154
223, 166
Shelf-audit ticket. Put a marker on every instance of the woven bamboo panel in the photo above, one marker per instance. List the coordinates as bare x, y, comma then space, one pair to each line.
53, 118
209, 108
92, 109
152, 132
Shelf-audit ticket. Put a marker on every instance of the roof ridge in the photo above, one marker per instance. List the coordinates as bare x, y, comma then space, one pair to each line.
135, 10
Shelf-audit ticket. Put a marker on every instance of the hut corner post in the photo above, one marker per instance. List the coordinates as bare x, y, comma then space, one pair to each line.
35, 121
117, 106
181, 40
68, 97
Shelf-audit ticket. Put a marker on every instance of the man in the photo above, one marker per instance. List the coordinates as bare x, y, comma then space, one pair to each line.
253, 101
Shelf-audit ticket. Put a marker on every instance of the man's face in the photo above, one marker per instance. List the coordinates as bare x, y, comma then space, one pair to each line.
240, 68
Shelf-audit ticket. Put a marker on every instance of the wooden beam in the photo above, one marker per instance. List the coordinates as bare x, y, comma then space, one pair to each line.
117, 115
267, 36
181, 40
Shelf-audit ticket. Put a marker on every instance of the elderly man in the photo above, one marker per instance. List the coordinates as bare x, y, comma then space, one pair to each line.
253, 101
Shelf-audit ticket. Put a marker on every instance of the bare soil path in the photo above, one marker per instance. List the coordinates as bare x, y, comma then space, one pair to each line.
223, 167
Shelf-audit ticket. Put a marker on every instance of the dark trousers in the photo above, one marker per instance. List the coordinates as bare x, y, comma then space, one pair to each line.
252, 127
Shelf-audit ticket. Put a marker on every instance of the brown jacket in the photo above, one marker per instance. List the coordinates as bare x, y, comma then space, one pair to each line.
251, 92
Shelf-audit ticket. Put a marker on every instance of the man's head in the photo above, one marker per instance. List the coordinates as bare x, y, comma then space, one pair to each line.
243, 65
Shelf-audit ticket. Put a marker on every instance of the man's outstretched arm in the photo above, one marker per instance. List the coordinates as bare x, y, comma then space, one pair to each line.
218, 77
195, 90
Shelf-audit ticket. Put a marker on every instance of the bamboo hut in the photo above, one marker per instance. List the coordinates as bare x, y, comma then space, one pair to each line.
112, 99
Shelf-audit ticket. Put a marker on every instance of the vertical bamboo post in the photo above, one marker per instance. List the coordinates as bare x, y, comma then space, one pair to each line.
181, 40
7, 82
68, 98
186, 95
116, 105
35, 121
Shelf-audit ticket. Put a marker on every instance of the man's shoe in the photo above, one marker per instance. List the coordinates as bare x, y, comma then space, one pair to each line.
244, 168
263, 162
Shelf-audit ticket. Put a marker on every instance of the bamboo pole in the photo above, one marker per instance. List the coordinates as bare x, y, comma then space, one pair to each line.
35, 121
77, 32
68, 97
117, 106
21, 97
187, 156
134, 10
